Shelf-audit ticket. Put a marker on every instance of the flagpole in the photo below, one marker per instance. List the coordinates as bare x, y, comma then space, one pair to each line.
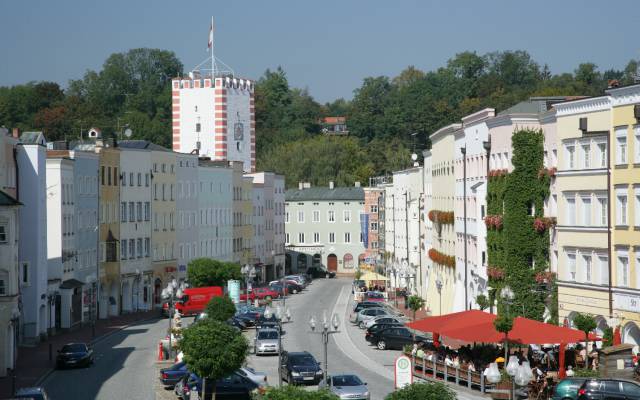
213, 59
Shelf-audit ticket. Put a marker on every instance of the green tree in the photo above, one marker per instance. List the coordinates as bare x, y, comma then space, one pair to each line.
291, 392
220, 308
483, 302
203, 272
415, 303
586, 323
213, 350
423, 391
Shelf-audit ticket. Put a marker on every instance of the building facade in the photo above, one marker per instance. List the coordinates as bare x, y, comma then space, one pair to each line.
187, 207
372, 198
215, 117
323, 228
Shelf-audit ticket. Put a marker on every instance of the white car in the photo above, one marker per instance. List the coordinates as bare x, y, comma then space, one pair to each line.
259, 378
384, 319
367, 314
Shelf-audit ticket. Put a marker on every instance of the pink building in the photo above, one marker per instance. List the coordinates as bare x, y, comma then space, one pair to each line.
371, 205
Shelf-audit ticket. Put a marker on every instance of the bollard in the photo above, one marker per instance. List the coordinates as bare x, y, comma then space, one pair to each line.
160, 351
457, 376
482, 382
50, 352
469, 378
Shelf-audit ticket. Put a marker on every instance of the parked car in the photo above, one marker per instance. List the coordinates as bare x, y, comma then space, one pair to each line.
361, 306
384, 319
265, 293
74, 355
291, 287
374, 329
268, 323
299, 279
567, 389
266, 342
237, 323
373, 296
259, 378
346, 387
320, 272
171, 375
34, 393
300, 367
194, 300
601, 389
235, 386
396, 338
368, 313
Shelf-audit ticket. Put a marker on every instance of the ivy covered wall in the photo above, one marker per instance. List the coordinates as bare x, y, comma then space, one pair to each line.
518, 250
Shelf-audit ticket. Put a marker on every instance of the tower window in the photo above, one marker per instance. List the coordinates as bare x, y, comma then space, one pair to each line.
197, 126
238, 145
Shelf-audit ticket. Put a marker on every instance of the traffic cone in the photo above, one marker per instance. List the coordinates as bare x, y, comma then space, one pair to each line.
160, 352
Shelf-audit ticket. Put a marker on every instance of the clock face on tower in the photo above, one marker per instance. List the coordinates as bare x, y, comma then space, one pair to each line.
238, 131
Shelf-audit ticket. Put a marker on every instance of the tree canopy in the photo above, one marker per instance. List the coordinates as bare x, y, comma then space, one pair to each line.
203, 272
220, 308
292, 392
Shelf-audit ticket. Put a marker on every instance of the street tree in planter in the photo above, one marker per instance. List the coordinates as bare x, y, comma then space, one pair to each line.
220, 308
586, 323
423, 391
292, 392
415, 303
213, 350
504, 323
483, 302
203, 272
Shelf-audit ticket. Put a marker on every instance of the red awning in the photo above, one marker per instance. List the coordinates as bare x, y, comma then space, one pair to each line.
462, 318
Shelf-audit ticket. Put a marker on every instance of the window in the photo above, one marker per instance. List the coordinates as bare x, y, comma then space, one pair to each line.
602, 205
132, 248
146, 180
570, 154
108, 176
139, 210
300, 216
571, 211
124, 179
102, 169
621, 206
147, 211
637, 206
164, 168
3, 285
346, 216
139, 248
604, 269
374, 208
139, 178
286, 238
571, 266
123, 212
623, 268
316, 216
587, 268
147, 247
332, 237
132, 211
301, 237
602, 155
316, 237
4, 235
586, 211
123, 249
621, 145
361, 237
374, 226
586, 155
636, 144
331, 216
286, 217
26, 275
347, 237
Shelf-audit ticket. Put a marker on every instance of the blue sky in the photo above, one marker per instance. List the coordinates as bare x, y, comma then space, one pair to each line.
326, 46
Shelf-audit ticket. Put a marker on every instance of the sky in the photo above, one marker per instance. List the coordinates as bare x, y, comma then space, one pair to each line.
326, 46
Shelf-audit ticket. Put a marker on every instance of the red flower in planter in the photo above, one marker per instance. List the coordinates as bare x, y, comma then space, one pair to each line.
495, 273
539, 225
497, 222
552, 171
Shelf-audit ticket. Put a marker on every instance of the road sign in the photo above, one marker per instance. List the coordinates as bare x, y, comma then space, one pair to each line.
403, 372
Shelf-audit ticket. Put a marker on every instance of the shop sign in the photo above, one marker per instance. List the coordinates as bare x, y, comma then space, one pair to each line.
403, 373
626, 302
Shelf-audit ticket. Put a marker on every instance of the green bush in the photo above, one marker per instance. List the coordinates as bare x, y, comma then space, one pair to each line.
291, 392
202, 272
220, 308
423, 391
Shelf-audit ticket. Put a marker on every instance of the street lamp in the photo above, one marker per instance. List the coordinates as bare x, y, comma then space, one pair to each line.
249, 272
326, 331
439, 287
172, 291
507, 297
279, 316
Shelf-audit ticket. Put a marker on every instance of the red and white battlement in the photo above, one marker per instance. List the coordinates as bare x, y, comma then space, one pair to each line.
220, 117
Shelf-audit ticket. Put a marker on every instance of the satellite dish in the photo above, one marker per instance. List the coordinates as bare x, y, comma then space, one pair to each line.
128, 132
414, 156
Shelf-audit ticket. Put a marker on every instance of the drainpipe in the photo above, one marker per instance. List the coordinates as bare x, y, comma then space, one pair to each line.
464, 206
609, 248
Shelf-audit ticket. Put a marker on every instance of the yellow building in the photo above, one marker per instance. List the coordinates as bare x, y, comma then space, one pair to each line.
625, 216
440, 278
581, 186
110, 290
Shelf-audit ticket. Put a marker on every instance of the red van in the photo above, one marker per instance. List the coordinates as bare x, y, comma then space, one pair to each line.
195, 300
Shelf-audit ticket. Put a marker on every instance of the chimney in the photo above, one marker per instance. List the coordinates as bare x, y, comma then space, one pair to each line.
331, 185
300, 185
357, 184
15, 133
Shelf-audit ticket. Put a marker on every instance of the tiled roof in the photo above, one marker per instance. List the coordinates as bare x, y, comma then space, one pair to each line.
6, 200
140, 144
325, 194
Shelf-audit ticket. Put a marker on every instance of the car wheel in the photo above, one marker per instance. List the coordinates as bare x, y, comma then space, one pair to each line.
327, 276
290, 379
294, 291
381, 345
362, 325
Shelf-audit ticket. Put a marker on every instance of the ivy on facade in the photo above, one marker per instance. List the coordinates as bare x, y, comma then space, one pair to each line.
516, 200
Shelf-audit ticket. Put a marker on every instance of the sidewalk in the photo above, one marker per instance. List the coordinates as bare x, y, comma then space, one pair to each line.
33, 362
407, 312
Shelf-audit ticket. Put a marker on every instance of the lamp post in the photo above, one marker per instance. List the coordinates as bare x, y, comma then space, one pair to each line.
172, 291
507, 297
279, 316
249, 272
326, 331
439, 287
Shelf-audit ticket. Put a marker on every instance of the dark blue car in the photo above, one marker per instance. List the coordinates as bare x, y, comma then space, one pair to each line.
173, 374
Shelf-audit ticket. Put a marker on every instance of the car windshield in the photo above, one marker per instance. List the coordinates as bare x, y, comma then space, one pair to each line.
74, 348
374, 295
346, 380
303, 360
267, 335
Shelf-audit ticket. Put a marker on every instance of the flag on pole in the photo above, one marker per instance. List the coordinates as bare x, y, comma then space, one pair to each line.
210, 44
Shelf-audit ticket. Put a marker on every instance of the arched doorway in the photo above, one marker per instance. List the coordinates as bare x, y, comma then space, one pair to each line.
631, 335
302, 262
348, 261
287, 263
316, 261
332, 262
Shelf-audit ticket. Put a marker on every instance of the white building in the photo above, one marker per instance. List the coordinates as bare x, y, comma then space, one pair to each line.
427, 232
258, 220
187, 206
32, 158
216, 117
136, 271
278, 225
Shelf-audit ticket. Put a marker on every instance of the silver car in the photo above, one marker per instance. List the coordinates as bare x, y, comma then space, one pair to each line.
346, 387
367, 314
259, 378
267, 342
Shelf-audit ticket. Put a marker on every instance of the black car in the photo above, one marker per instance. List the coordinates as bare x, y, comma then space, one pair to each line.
290, 288
237, 323
319, 272
74, 355
233, 387
33, 393
395, 338
263, 322
601, 389
375, 329
300, 368
171, 375
247, 318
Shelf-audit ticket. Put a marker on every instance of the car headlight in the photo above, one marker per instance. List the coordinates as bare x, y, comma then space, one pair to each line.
366, 394
319, 372
294, 373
